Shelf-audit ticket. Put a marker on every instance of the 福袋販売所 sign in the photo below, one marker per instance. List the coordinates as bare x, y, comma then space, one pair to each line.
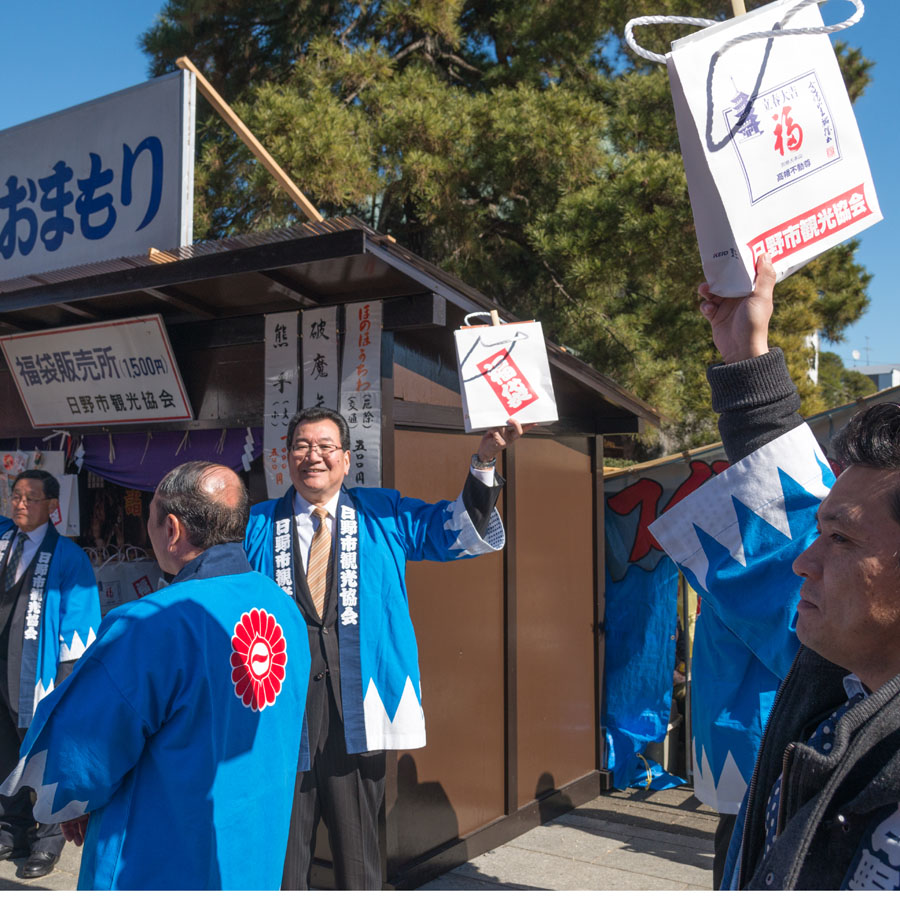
109, 178
110, 373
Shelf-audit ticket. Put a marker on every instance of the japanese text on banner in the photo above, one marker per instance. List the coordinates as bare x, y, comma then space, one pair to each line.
361, 392
109, 373
320, 357
280, 398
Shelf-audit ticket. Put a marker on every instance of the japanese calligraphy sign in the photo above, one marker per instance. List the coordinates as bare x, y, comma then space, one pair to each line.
320, 357
110, 373
504, 373
279, 398
361, 392
772, 153
109, 178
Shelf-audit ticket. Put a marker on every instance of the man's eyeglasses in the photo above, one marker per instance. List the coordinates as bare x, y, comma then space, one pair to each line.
302, 449
16, 499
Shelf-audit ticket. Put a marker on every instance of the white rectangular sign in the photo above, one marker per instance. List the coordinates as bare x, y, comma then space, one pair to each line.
112, 177
280, 398
109, 373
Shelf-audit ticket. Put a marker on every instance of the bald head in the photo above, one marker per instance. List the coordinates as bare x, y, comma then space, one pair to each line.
209, 500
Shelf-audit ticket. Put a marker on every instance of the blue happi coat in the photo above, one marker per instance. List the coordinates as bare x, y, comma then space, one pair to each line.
376, 532
735, 539
177, 732
62, 617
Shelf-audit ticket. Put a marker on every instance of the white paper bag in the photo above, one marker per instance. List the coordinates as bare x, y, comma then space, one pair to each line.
503, 373
788, 176
67, 517
122, 578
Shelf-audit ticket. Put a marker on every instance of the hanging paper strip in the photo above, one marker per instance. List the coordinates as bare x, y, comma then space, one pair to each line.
280, 398
361, 392
320, 357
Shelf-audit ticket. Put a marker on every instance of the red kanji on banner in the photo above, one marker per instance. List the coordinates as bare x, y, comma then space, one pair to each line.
507, 381
813, 225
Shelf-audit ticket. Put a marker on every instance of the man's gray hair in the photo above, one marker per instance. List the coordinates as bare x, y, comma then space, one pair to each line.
208, 520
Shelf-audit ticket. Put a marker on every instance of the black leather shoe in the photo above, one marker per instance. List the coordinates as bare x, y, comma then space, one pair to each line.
37, 865
6, 851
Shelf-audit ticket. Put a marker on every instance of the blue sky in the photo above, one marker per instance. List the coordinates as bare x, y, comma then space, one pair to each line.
56, 53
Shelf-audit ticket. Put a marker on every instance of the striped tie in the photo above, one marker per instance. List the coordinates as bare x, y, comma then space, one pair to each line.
319, 558
12, 564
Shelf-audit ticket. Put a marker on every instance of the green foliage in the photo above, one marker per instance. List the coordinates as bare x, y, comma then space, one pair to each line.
839, 385
512, 142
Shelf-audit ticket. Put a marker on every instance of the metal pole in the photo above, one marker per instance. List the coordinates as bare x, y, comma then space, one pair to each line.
738, 7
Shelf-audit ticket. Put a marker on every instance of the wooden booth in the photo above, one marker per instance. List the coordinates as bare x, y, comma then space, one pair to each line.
511, 644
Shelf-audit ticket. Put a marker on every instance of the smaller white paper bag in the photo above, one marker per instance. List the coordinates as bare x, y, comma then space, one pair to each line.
504, 373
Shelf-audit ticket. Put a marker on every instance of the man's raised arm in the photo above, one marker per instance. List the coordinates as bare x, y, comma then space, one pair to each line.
751, 389
483, 485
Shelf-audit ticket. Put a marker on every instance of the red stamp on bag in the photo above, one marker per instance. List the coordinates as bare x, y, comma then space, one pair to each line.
507, 381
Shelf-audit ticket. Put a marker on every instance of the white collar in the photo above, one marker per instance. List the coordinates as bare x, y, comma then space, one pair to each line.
302, 506
37, 534
853, 686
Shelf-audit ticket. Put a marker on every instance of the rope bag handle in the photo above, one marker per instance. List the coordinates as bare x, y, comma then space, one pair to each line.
756, 35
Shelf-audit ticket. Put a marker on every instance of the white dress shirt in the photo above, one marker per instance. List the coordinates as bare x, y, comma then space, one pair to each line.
305, 524
33, 541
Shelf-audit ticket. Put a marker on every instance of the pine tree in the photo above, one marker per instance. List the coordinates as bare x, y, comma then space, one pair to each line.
514, 143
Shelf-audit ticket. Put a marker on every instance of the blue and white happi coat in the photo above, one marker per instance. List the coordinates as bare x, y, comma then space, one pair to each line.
177, 732
376, 532
735, 539
62, 616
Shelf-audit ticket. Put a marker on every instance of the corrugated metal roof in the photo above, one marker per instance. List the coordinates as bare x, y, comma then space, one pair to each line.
191, 251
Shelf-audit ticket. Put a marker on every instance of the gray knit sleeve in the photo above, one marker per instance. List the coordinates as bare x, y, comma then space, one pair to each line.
756, 401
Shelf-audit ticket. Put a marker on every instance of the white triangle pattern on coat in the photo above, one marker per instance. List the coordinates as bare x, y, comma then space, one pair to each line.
405, 731
40, 692
755, 481
724, 796
68, 652
30, 773
468, 541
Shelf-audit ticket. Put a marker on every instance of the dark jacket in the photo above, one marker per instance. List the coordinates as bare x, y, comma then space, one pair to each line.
828, 801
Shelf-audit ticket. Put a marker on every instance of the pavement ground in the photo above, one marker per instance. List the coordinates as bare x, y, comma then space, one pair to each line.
632, 840
64, 876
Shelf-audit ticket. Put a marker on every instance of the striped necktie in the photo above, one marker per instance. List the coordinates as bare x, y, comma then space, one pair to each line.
12, 564
319, 559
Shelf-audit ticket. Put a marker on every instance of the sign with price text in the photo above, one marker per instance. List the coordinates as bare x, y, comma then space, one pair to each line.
109, 373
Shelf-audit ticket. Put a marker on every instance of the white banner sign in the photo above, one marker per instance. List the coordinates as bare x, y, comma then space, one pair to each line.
280, 398
320, 357
109, 178
361, 392
110, 373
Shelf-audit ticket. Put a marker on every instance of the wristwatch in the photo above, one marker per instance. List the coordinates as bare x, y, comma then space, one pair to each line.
480, 464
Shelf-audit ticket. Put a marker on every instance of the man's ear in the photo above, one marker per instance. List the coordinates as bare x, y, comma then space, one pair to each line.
53, 505
174, 531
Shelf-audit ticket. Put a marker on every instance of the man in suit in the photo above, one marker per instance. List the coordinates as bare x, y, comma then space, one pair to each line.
49, 614
342, 555
167, 750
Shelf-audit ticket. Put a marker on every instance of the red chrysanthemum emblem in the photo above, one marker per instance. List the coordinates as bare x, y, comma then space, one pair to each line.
258, 660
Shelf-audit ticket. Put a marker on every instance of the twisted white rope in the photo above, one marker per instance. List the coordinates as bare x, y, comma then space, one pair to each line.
756, 35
